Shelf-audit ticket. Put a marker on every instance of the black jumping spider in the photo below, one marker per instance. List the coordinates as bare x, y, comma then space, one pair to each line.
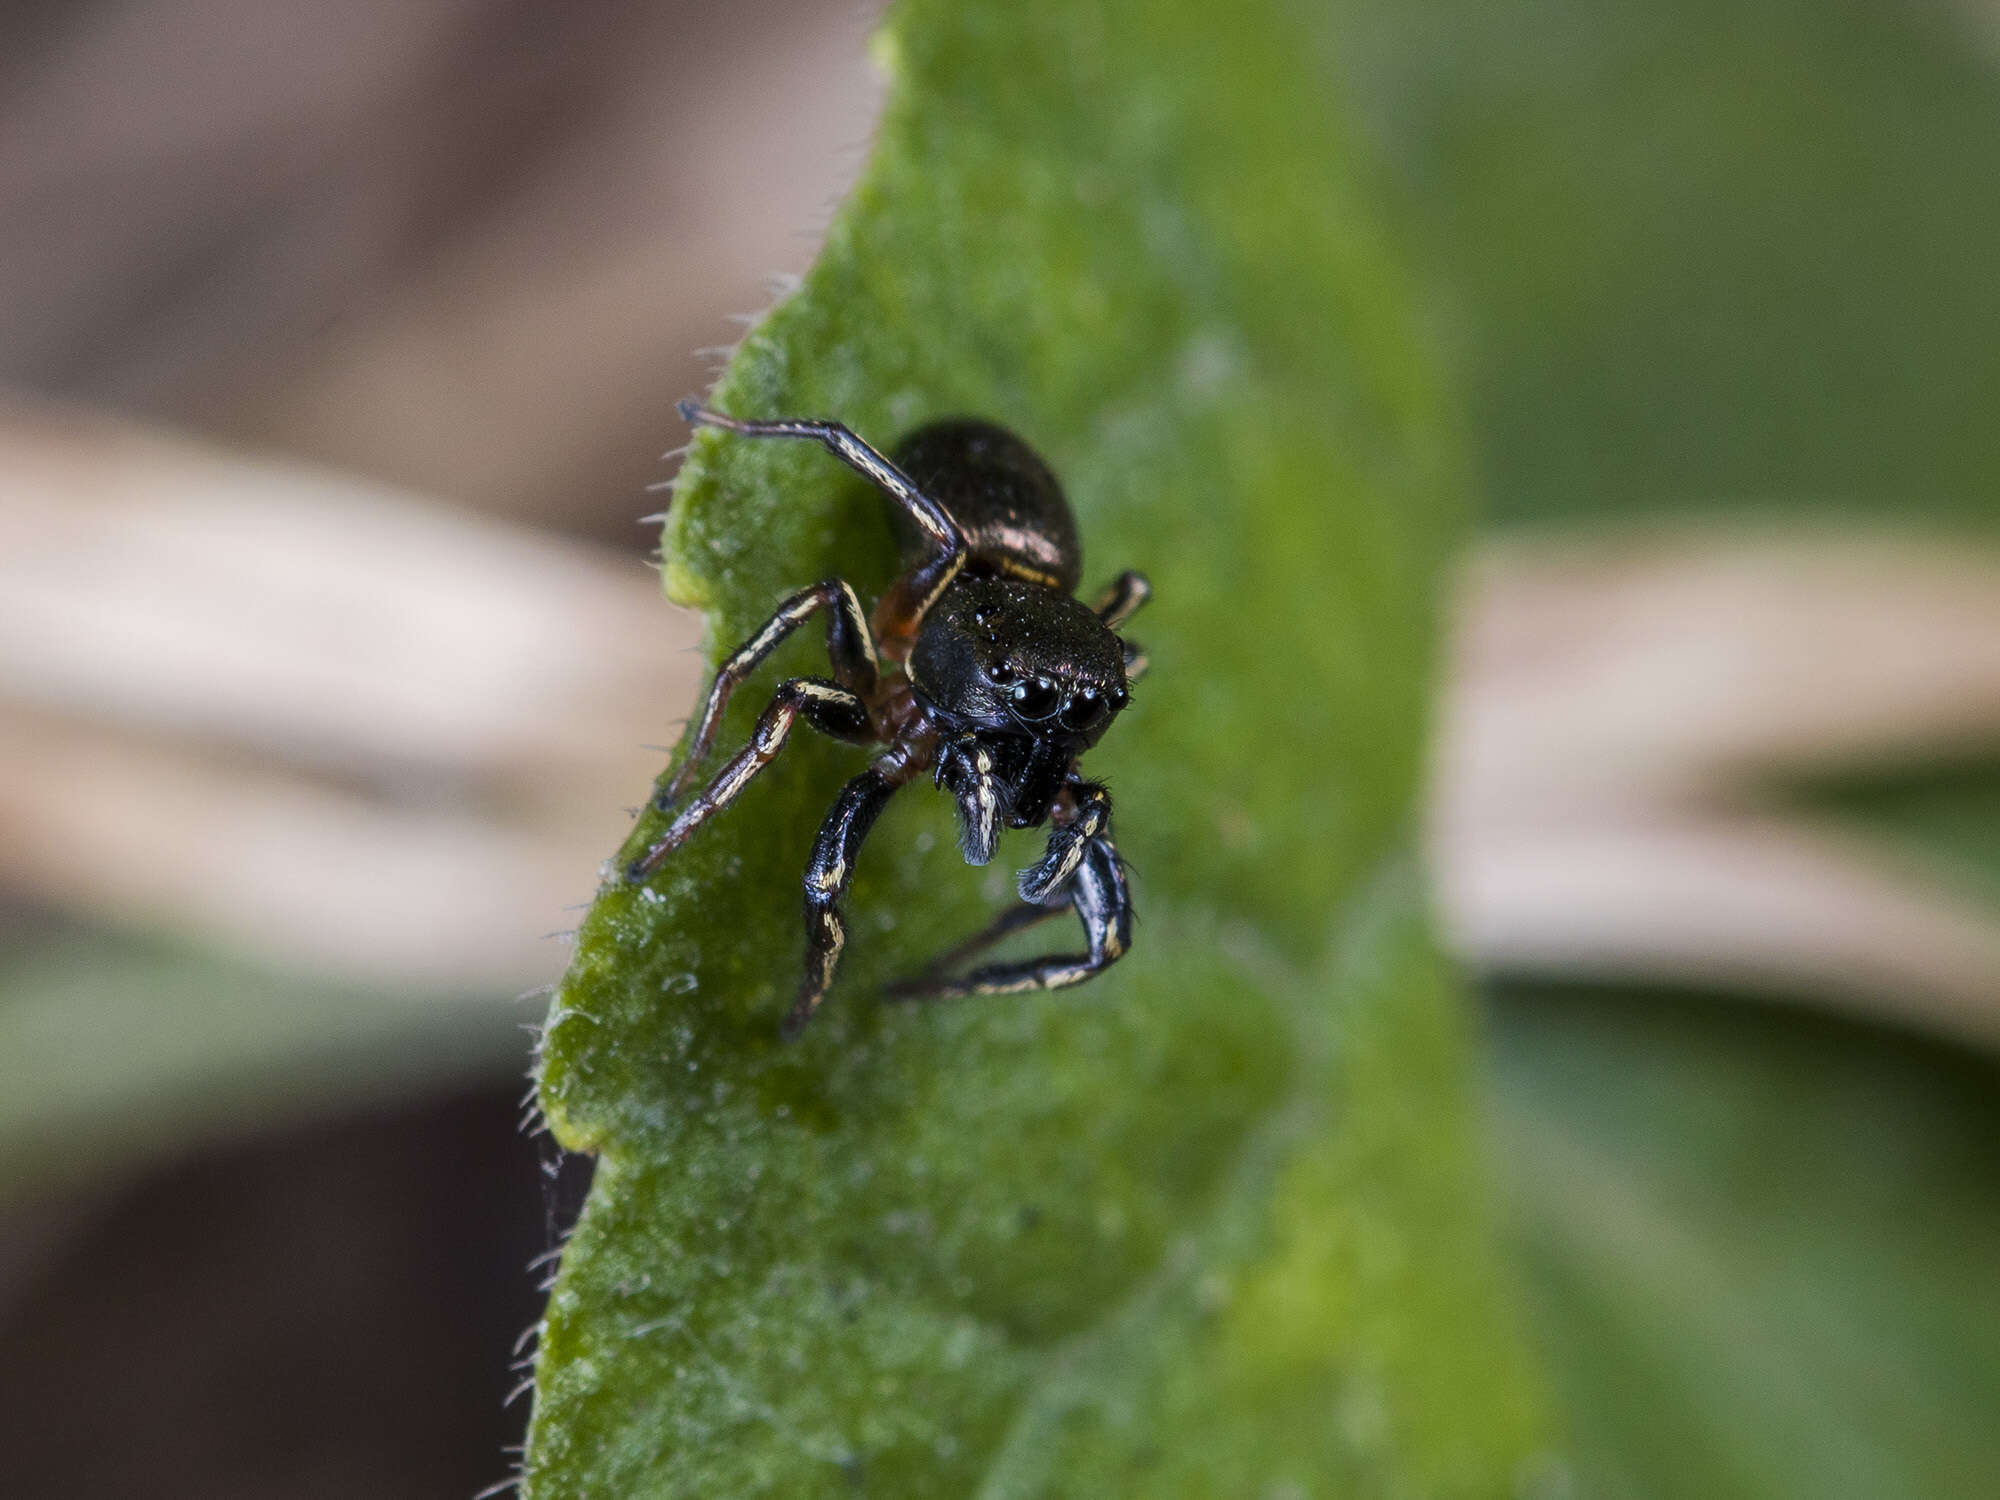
982, 668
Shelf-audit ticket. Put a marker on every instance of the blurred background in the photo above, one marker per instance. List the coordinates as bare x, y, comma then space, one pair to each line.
338, 347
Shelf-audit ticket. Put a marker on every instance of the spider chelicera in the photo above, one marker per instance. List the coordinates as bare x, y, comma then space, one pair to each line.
982, 668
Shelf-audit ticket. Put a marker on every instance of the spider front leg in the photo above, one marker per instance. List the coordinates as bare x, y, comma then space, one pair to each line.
827, 876
849, 647
830, 709
1102, 901
1084, 813
902, 609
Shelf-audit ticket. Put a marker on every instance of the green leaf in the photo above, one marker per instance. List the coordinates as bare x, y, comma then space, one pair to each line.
1209, 1226
1762, 1245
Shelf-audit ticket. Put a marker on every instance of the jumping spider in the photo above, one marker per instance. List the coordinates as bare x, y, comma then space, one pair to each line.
982, 668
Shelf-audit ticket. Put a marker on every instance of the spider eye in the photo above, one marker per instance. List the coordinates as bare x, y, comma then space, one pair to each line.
1000, 673
1034, 698
1082, 711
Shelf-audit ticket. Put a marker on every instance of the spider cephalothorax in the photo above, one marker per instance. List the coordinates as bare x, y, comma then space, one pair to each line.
1007, 657
982, 668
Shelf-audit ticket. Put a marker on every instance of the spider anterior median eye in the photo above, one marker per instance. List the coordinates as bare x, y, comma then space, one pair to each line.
1035, 698
1082, 710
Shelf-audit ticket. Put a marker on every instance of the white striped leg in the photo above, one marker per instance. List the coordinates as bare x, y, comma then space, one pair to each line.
1102, 902
931, 518
1088, 817
966, 771
828, 708
1017, 918
827, 877
849, 647
903, 606
1122, 598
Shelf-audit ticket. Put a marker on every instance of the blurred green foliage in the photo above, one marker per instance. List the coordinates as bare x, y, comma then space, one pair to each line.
1761, 1239
1762, 1244
1706, 256
1946, 815
118, 1049
1211, 1226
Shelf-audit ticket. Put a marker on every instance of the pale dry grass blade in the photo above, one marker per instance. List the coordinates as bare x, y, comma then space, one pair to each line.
308, 716
1620, 712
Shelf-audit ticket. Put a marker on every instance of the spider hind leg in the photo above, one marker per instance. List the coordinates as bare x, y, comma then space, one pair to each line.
830, 709
849, 647
1122, 598
1098, 894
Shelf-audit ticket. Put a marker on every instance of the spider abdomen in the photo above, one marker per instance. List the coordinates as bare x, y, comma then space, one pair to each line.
1003, 497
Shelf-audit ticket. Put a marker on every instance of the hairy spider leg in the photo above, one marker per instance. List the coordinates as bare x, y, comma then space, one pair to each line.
849, 647
1101, 900
1088, 818
1122, 598
827, 876
829, 708
903, 607
966, 771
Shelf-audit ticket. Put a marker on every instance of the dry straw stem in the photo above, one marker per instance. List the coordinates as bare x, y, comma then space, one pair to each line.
308, 717
1623, 710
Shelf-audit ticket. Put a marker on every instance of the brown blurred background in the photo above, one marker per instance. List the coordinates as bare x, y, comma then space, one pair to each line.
338, 346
